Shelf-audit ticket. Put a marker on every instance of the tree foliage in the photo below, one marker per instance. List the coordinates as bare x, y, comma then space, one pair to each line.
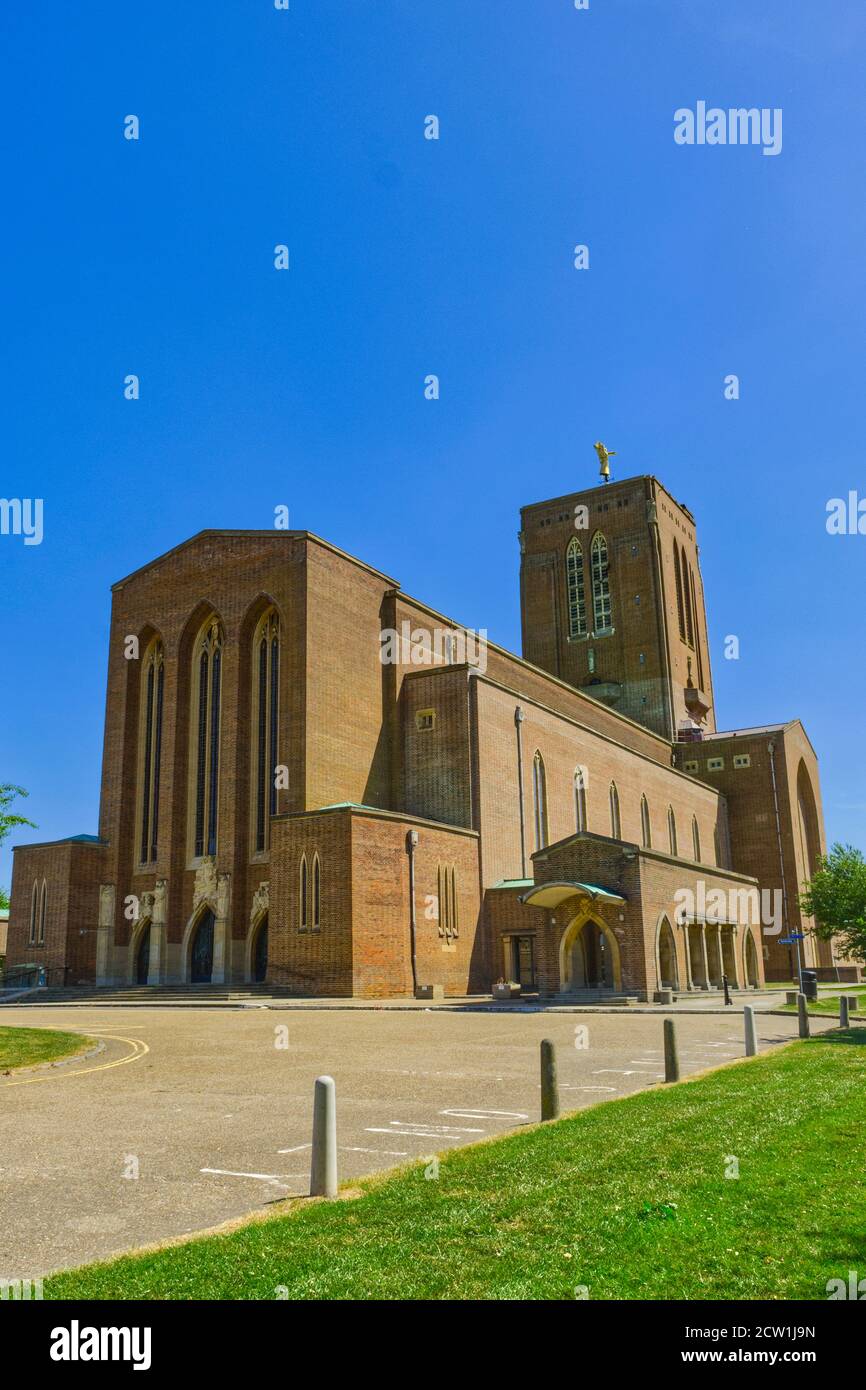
836, 898
9, 819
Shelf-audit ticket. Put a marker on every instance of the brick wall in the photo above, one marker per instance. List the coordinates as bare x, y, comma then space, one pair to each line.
71, 871
363, 945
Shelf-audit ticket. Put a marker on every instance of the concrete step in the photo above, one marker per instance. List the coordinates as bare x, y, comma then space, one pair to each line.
153, 995
593, 996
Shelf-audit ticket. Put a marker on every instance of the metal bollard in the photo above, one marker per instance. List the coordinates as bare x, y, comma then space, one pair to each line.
803, 1015
549, 1087
672, 1056
323, 1165
843, 1011
751, 1036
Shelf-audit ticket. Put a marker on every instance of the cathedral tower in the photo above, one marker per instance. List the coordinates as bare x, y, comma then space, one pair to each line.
612, 602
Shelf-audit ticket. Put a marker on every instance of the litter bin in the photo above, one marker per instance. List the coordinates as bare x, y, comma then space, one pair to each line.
810, 984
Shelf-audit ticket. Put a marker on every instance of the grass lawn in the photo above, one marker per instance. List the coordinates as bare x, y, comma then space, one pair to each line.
829, 1003
27, 1047
629, 1199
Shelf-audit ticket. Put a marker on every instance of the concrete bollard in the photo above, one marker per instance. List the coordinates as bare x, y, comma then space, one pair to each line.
751, 1036
672, 1056
323, 1166
803, 1015
843, 1011
549, 1087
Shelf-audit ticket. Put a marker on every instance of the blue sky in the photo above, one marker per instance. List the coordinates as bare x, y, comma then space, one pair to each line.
410, 257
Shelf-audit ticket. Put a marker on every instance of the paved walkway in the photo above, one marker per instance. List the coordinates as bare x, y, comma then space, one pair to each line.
212, 1108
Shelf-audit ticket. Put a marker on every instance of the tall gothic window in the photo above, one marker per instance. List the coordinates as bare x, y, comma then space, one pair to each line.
687, 600
601, 606
580, 780
34, 913
207, 673
696, 840
43, 907
150, 745
645, 828
266, 684
615, 827
576, 585
303, 894
317, 892
697, 630
678, 580
447, 884
672, 830
539, 799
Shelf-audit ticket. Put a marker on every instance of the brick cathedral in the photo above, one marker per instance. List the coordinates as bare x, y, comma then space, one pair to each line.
290, 796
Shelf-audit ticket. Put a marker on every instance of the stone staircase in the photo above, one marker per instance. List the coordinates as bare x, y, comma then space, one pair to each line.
153, 996
593, 996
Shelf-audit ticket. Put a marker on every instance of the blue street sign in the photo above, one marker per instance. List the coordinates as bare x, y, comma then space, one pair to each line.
789, 940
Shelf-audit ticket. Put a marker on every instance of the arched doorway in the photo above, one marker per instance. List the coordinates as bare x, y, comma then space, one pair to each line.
751, 961
589, 958
668, 973
260, 952
142, 957
201, 950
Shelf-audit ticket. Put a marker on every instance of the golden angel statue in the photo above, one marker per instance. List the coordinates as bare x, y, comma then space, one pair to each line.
604, 457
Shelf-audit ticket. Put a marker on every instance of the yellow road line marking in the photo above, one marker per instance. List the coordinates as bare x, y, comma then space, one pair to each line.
139, 1049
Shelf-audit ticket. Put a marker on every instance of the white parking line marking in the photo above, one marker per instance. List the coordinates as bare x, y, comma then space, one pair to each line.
434, 1129
485, 1114
622, 1071
295, 1150
416, 1134
392, 1153
260, 1177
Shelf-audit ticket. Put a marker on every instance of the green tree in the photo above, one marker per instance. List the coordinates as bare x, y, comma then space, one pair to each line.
836, 898
9, 820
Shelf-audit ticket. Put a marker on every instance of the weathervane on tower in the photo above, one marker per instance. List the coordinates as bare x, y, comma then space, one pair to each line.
604, 457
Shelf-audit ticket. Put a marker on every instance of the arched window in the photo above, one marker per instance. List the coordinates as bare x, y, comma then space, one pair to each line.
687, 601
43, 906
150, 750
696, 840
447, 884
539, 792
454, 922
678, 580
317, 892
672, 830
580, 781
615, 827
207, 672
645, 829
34, 912
601, 607
303, 894
265, 723
576, 586
697, 629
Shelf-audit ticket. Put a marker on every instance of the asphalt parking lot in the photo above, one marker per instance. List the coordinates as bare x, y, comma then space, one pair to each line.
190, 1116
